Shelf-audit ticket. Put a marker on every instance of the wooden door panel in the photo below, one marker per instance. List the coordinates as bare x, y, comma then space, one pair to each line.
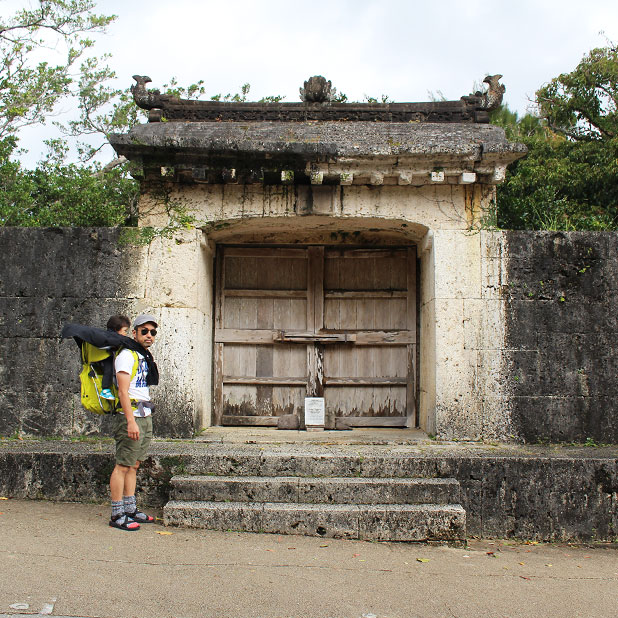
365, 313
250, 313
281, 315
359, 270
365, 361
250, 361
261, 401
265, 273
368, 402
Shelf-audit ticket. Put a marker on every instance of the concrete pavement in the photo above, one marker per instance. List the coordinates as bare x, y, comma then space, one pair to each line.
63, 559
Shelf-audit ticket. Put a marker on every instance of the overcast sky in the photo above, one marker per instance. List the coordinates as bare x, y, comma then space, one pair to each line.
404, 49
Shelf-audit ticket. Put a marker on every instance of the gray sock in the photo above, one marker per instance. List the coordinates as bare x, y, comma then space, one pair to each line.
117, 508
129, 504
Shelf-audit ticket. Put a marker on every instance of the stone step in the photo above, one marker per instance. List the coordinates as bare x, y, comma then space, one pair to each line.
271, 461
341, 490
379, 522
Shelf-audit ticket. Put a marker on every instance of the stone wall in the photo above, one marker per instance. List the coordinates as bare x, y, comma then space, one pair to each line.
518, 330
561, 319
53, 276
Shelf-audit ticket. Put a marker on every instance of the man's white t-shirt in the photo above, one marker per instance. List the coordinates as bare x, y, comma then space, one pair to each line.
138, 388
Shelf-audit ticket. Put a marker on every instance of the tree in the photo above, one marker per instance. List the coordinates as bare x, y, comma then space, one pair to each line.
582, 105
56, 193
568, 179
31, 87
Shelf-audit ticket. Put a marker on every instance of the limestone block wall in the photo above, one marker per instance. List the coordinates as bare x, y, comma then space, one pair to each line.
462, 336
561, 335
525, 343
52, 276
517, 330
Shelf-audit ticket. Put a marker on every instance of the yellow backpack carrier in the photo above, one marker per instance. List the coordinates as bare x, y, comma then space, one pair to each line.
91, 377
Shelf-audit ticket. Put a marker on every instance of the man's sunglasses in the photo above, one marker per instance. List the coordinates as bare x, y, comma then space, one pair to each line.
152, 331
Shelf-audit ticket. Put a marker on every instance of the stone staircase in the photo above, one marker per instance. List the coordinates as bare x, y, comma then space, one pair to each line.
272, 494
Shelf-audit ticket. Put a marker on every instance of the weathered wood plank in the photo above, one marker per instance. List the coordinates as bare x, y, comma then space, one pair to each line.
377, 337
218, 384
266, 293
411, 300
250, 421
362, 294
334, 253
237, 335
264, 380
315, 366
411, 387
373, 421
252, 252
219, 287
315, 304
365, 381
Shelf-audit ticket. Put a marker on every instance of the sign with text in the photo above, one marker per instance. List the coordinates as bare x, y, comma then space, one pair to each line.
314, 411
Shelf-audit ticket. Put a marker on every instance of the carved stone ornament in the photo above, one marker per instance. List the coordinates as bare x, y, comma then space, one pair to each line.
146, 99
316, 90
492, 98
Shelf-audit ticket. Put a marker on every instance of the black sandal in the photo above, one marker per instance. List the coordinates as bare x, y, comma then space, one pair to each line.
141, 518
127, 523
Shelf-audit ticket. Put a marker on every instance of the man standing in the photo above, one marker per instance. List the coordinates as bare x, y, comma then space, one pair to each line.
135, 373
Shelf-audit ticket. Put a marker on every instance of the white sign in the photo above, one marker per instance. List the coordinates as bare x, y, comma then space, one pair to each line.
314, 411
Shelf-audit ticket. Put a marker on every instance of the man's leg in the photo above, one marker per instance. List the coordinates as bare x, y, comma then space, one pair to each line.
118, 480
130, 480
122, 475
128, 499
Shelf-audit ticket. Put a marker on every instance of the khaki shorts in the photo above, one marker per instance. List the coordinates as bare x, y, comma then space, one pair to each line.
129, 452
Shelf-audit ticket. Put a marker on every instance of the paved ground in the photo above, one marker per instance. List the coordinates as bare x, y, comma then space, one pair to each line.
63, 560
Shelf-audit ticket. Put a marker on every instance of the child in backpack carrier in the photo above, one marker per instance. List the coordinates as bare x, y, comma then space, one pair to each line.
119, 324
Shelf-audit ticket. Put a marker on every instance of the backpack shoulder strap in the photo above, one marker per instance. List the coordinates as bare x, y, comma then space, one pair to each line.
135, 364
135, 361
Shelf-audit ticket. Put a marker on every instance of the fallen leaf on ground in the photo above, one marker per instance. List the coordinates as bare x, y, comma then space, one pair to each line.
524, 577
3, 498
355, 555
291, 547
491, 553
323, 545
270, 550
549, 565
163, 532
522, 563
422, 559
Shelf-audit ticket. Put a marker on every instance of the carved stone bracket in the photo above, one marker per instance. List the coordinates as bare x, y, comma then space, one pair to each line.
492, 97
150, 99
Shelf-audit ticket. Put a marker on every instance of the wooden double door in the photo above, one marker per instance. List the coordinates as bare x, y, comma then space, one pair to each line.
321, 321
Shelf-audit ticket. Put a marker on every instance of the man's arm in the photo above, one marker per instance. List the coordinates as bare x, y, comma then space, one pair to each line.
124, 380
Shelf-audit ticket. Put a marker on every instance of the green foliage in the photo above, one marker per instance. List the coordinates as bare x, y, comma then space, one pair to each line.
384, 98
59, 194
31, 87
582, 104
568, 179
